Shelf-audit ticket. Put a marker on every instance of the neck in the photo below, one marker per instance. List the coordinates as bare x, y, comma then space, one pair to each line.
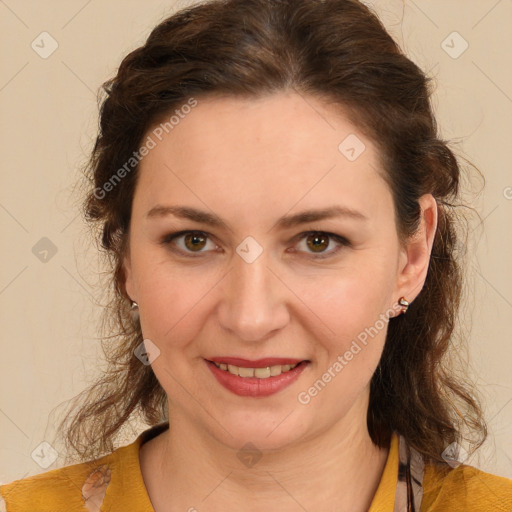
339, 469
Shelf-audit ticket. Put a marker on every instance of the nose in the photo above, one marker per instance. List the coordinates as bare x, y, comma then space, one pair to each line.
254, 300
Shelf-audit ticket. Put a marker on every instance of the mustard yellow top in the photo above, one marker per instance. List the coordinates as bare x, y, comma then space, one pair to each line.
115, 483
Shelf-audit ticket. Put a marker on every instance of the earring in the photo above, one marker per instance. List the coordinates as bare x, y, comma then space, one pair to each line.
404, 304
134, 311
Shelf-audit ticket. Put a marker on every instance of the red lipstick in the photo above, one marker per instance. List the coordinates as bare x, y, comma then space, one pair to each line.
254, 386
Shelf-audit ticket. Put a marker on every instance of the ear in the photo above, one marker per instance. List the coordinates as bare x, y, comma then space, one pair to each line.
129, 284
415, 257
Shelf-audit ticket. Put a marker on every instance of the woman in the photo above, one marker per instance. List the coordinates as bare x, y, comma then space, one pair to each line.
278, 211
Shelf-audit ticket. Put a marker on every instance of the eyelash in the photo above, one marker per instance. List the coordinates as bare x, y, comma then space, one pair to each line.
167, 239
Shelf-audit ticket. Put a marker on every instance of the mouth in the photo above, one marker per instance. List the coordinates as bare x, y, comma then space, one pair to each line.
260, 369
255, 381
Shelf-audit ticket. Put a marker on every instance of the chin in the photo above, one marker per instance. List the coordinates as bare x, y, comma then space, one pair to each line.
273, 432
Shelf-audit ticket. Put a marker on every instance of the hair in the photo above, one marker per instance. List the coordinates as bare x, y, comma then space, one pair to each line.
337, 51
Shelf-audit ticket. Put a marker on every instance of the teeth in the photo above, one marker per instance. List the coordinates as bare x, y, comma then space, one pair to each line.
260, 373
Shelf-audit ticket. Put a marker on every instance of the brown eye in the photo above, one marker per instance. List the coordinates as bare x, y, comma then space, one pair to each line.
318, 242
194, 241
187, 242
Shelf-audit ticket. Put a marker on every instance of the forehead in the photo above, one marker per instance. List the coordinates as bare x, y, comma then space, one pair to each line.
244, 156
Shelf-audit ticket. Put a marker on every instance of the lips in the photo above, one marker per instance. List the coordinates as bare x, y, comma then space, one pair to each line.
256, 386
258, 363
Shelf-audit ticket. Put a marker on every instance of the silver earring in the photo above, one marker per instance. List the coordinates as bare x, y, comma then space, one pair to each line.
134, 311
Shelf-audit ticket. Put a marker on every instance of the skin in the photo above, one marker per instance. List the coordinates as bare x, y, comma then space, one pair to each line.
250, 162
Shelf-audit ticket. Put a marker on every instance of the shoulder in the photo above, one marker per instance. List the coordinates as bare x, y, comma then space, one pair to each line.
464, 488
83, 487
69, 488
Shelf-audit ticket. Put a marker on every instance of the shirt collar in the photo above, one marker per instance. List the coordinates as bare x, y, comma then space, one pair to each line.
384, 498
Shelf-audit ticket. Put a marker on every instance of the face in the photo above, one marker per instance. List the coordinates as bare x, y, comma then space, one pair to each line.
256, 287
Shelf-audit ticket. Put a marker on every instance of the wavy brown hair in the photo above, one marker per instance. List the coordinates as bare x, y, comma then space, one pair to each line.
337, 51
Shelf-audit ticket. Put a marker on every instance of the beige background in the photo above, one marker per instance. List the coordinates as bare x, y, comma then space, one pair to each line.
49, 114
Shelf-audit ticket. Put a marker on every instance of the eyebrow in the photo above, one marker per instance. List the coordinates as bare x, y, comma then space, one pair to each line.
284, 222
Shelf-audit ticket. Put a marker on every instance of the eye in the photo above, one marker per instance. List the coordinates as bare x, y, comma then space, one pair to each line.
316, 241
192, 240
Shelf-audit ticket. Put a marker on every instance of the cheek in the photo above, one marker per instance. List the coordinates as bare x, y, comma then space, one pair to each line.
350, 299
170, 307
349, 351
354, 313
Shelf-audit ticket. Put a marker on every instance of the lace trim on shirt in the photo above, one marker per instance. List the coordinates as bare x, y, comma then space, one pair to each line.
95, 488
